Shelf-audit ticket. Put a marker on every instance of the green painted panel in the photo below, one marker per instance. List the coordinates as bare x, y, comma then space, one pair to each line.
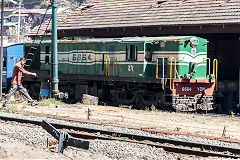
90, 58
123, 70
185, 51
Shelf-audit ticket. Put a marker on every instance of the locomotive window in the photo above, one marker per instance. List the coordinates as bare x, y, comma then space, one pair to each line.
47, 49
46, 59
149, 51
131, 52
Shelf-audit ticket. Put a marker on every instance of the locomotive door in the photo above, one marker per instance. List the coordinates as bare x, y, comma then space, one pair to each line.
107, 61
148, 60
111, 68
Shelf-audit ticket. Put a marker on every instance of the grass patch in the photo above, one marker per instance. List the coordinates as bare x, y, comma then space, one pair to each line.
50, 101
17, 102
26, 113
11, 109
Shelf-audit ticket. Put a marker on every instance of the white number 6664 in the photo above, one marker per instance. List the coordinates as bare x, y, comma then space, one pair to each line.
186, 89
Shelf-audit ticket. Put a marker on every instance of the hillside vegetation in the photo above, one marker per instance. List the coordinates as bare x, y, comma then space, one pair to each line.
29, 4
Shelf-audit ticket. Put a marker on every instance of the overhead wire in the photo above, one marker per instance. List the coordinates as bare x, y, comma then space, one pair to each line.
33, 42
32, 2
46, 29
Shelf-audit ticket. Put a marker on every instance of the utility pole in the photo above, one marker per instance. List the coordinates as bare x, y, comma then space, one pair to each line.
55, 80
19, 17
1, 55
19, 21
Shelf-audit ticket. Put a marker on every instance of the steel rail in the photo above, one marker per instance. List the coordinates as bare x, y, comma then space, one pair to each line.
140, 138
165, 147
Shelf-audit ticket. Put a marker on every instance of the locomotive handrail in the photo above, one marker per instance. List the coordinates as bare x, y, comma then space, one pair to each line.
209, 65
107, 66
163, 71
108, 62
115, 64
175, 70
215, 70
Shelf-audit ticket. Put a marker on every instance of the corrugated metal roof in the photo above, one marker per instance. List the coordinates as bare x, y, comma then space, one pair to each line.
131, 13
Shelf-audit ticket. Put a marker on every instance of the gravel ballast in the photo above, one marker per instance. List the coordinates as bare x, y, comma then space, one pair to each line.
35, 136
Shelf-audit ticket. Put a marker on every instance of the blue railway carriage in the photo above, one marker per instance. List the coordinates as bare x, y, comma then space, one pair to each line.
11, 55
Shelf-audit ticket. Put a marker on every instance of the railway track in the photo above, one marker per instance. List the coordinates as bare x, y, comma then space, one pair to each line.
170, 145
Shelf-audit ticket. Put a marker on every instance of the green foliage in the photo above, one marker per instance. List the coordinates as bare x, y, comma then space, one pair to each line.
68, 4
30, 4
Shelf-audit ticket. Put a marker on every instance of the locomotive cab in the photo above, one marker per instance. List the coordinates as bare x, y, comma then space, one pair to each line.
192, 88
181, 65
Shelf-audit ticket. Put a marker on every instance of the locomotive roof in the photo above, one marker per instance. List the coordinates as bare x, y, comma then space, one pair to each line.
122, 40
144, 39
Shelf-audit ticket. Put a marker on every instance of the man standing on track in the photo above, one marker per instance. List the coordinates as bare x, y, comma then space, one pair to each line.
16, 83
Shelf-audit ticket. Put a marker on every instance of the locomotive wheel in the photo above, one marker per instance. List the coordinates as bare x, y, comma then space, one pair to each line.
139, 104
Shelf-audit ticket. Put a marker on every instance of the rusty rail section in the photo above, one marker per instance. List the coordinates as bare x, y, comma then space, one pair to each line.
154, 141
150, 129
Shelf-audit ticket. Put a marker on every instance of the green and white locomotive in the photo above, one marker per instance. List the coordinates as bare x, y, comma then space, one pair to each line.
171, 71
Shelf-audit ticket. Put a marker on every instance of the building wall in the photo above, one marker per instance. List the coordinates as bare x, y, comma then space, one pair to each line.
228, 54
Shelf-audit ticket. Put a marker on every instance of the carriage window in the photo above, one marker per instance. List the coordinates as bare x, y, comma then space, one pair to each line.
4, 61
131, 52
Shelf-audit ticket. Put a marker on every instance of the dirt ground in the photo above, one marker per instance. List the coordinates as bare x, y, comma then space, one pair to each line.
20, 151
184, 122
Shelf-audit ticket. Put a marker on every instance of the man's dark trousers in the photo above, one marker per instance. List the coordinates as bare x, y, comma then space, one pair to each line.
21, 89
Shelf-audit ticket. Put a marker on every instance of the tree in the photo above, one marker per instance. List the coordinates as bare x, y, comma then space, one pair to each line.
29, 4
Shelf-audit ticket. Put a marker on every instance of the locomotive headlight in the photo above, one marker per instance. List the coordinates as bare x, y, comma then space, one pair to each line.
194, 42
